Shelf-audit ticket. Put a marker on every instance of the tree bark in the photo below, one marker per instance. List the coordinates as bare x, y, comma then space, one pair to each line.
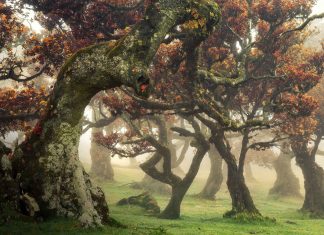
242, 201
172, 210
313, 180
46, 164
180, 188
287, 183
215, 178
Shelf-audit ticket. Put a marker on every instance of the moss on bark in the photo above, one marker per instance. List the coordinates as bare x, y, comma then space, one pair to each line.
46, 164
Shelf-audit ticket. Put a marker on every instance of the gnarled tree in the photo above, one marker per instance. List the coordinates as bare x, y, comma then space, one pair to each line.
46, 165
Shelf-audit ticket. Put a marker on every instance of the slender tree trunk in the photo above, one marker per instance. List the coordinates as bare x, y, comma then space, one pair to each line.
287, 183
179, 189
242, 201
215, 177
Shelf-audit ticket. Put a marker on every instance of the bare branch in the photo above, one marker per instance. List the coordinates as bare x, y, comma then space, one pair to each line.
303, 25
12, 75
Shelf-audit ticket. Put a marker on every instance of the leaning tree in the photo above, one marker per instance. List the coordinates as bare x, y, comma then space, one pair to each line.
306, 136
46, 165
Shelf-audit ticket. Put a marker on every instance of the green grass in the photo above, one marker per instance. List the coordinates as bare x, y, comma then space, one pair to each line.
198, 216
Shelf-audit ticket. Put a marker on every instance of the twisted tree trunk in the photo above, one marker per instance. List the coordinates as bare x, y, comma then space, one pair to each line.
313, 178
287, 183
215, 177
180, 187
46, 165
242, 201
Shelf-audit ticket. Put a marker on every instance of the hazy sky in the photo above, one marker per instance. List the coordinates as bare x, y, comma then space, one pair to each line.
319, 8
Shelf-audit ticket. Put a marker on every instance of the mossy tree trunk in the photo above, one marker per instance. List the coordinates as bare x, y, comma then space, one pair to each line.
9, 191
287, 183
179, 185
242, 201
46, 165
215, 178
313, 177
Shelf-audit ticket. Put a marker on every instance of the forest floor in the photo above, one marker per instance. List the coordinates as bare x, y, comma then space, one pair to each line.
198, 216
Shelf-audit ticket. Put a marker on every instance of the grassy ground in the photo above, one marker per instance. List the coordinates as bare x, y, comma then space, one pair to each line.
198, 216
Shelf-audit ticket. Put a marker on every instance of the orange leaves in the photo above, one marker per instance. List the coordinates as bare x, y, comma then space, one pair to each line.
18, 106
300, 105
11, 30
235, 14
167, 52
52, 49
21, 101
278, 10
298, 117
196, 22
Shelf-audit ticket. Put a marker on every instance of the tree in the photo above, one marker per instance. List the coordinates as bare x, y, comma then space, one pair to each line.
251, 63
305, 140
100, 158
215, 177
48, 159
160, 165
287, 183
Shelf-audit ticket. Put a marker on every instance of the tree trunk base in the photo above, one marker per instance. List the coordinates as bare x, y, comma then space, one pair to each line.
170, 215
242, 202
314, 187
246, 216
287, 183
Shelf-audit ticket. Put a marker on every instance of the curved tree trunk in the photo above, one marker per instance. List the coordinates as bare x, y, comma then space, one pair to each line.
313, 180
242, 201
180, 188
46, 165
172, 210
314, 186
287, 183
215, 177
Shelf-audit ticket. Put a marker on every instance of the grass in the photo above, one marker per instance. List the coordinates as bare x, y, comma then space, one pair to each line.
198, 216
